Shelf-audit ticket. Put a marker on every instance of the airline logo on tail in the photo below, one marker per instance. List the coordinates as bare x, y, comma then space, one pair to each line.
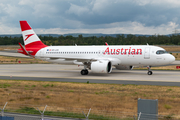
31, 41
27, 36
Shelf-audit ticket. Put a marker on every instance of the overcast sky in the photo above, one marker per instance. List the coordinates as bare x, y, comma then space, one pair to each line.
91, 16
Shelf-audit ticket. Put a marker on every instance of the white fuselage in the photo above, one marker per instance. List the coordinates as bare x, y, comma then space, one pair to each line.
134, 55
98, 59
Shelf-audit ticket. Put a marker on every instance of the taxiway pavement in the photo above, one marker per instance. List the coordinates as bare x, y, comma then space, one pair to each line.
71, 73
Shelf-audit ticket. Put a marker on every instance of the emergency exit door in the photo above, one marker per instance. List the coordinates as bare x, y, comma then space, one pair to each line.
147, 53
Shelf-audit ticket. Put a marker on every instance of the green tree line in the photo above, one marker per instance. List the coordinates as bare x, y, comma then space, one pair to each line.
118, 40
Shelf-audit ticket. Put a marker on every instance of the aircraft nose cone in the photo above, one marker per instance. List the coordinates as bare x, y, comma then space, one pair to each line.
171, 59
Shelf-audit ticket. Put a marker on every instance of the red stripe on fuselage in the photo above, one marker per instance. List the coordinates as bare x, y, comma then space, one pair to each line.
33, 47
24, 25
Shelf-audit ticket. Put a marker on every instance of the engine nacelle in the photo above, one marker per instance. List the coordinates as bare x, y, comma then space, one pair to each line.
101, 66
124, 67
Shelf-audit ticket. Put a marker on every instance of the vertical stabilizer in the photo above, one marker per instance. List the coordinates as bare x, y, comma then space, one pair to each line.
31, 40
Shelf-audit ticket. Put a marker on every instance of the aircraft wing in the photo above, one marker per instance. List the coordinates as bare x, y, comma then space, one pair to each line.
79, 59
114, 61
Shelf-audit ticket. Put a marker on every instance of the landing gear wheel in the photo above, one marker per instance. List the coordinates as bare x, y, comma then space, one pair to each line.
149, 70
84, 72
150, 73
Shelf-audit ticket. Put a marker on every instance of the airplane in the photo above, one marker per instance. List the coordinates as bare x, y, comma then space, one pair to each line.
98, 59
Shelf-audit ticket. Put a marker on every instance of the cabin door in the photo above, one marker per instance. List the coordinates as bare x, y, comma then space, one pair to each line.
147, 53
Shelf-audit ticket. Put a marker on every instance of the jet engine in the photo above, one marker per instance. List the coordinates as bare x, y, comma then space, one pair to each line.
124, 67
101, 66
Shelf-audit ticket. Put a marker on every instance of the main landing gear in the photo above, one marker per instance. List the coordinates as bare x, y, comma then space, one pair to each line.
149, 70
84, 72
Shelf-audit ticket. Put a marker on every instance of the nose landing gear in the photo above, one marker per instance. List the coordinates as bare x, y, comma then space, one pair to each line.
149, 70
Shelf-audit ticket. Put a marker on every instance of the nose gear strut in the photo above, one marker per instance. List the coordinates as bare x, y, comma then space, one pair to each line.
149, 70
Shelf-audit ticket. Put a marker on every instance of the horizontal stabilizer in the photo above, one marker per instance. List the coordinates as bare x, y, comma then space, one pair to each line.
24, 51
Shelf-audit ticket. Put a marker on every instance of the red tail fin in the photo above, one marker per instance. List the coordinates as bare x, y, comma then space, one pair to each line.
31, 40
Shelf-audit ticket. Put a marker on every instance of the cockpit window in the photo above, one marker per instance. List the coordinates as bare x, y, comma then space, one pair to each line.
161, 52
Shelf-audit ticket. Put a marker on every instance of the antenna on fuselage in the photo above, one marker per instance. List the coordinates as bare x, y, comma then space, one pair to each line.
106, 43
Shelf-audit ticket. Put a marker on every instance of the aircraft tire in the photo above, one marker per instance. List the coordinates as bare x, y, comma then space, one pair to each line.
150, 73
84, 72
